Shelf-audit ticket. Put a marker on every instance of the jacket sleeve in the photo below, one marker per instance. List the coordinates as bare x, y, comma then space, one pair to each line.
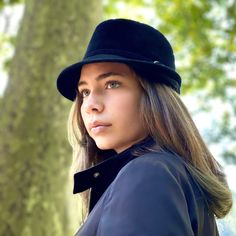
146, 198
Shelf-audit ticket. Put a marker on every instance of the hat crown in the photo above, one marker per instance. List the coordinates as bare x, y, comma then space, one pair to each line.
132, 39
140, 46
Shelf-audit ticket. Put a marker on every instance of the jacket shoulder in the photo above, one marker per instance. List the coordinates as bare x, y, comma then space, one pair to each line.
153, 185
166, 162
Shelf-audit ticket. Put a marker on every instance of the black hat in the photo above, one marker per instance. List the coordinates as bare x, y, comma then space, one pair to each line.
138, 45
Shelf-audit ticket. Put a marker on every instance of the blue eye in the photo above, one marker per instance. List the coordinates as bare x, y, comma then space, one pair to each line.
112, 84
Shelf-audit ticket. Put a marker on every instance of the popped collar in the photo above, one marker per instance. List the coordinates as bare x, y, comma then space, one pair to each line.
100, 176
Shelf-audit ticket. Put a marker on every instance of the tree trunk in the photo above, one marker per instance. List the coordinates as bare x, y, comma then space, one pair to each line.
34, 154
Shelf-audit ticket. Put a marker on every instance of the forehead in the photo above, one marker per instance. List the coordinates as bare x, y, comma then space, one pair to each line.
90, 71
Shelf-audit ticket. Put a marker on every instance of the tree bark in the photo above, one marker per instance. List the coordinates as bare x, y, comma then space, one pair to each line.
34, 153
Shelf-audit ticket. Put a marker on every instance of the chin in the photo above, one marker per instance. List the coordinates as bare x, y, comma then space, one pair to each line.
103, 145
111, 146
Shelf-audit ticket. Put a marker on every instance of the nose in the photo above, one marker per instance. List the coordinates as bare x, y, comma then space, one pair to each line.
93, 103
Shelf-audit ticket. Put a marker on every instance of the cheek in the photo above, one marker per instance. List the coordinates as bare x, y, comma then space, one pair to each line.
84, 115
127, 110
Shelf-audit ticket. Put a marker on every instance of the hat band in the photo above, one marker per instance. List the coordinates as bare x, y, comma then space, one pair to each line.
120, 53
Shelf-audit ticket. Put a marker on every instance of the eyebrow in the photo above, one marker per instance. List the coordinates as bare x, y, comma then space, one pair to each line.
101, 77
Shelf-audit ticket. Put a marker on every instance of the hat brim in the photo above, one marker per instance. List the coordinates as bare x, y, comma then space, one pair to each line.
156, 72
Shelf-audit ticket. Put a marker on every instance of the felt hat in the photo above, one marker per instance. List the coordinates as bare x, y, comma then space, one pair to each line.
138, 45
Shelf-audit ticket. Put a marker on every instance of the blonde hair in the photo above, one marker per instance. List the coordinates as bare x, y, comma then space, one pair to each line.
171, 126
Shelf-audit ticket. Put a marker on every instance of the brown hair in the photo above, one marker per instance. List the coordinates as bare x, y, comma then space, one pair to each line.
171, 126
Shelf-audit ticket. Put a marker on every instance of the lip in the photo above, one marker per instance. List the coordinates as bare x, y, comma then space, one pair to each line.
98, 126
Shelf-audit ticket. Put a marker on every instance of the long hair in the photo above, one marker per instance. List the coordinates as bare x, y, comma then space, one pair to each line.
169, 123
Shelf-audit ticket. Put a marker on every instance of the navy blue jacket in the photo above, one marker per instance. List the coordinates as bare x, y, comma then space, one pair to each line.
148, 195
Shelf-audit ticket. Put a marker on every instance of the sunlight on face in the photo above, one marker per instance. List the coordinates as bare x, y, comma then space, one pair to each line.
110, 109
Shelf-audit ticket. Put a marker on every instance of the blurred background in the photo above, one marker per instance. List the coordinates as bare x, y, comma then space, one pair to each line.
38, 38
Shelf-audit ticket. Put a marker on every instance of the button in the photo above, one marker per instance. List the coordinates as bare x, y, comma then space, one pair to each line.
96, 174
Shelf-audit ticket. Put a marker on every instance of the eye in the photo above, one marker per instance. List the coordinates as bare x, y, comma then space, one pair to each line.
112, 84
84, 93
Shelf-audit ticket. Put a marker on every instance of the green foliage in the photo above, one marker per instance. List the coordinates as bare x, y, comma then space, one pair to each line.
200, 32
4, 3
7, 42
126, 9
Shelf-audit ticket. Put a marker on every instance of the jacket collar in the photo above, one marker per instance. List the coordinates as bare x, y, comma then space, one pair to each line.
99, 177
104, 173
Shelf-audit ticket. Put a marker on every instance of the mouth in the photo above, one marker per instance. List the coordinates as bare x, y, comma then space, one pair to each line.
97, 127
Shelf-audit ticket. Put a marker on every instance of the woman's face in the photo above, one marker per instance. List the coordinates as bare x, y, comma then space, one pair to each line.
110, 108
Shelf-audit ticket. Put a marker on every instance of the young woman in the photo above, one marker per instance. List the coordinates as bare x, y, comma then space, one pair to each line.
139, 154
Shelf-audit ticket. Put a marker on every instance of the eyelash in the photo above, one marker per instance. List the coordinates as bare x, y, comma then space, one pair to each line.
117, 85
